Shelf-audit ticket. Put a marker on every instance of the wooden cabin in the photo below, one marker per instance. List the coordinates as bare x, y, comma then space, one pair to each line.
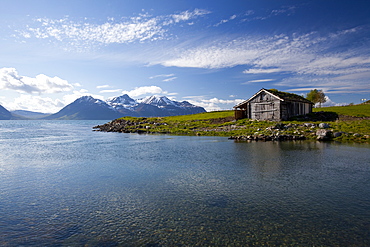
274, 105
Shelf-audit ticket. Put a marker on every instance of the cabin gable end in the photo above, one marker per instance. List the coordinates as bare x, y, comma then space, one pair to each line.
272, 105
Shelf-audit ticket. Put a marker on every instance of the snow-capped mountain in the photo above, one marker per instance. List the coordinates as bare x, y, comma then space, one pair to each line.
123, 101
159, 101
88, 107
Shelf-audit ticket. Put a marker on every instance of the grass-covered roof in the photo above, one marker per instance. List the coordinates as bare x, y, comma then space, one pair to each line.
288, 96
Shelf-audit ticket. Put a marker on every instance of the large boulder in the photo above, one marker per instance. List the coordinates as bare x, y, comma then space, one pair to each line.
323, 134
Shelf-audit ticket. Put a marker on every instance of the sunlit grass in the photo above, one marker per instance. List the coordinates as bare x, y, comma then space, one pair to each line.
222, 123
362, 110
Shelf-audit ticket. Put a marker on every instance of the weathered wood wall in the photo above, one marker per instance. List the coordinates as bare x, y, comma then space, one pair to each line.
291, 109
265, 106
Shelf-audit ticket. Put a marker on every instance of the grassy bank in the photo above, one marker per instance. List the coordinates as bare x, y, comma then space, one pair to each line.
222, 123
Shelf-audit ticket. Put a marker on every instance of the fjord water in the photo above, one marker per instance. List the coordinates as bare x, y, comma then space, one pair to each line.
61, 184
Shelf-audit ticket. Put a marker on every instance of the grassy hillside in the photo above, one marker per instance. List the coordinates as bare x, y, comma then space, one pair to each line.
362, 110
222, 123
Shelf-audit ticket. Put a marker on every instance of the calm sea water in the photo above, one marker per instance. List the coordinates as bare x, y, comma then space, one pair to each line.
61, 184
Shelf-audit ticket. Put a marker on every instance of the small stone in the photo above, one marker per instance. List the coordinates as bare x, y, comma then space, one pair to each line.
337, 134
323, 125
308, 125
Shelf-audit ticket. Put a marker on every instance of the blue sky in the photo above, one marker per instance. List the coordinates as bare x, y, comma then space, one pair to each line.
211, 53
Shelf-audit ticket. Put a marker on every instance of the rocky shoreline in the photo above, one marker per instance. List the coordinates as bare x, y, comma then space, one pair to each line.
276, 132
268, 138
128, 126
322, 134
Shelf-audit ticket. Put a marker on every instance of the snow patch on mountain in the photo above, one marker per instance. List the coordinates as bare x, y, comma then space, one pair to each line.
159, 101
122, 102
89, 99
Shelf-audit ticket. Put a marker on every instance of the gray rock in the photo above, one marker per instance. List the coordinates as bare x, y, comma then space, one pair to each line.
324, 125
309, 125
323, 134
337, 134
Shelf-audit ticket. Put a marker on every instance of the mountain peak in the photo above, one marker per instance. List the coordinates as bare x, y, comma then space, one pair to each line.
89, 99
123, 99
122, 102
86, 97
158, 101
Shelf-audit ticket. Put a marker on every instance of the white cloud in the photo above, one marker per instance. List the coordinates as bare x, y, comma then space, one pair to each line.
69, 98
10, 80
163, 75
77, 85
35, 103
212, 57
133, 29
213, 104
103, 86
187, 15
226, 20
289, 10
170, 79
303, 54
139, 91
45, 104
320, 60
348, 84
329, 102
110, 91
261, 80
261, 71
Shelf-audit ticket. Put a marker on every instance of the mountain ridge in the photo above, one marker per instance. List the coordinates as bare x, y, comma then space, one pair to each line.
90, 108
29, 114
87, 107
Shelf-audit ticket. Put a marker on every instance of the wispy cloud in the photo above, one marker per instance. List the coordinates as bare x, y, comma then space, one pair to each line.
288, 10
103, 86
140, 28
284, 10
110, 91
262, 71
187, 15
226, 20
163, 75
261, 80
311, 56
10, 80
170, 79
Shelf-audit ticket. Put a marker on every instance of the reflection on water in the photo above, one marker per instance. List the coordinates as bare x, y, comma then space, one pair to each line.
62, 184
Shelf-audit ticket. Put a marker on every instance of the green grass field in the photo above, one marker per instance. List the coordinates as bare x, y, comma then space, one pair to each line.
362, 110
222, 123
